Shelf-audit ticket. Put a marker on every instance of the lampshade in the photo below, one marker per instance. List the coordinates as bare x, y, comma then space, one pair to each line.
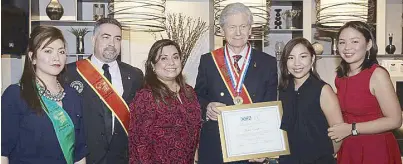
335, 13
260, 12
139, 15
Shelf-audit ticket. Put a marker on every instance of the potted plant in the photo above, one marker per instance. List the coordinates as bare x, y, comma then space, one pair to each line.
79, 33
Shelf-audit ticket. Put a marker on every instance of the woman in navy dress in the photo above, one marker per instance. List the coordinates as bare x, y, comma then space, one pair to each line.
309, 104
41, 120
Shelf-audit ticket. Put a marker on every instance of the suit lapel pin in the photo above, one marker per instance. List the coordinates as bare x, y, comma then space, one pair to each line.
254, 65
78, 85
222, 94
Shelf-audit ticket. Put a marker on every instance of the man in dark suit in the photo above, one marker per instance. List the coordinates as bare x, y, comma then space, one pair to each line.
214, 86
102, 81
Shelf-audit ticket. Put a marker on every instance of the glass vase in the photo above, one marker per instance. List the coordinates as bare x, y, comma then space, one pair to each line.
80, 45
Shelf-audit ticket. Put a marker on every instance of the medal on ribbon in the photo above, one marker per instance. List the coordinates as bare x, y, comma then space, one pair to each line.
237, 79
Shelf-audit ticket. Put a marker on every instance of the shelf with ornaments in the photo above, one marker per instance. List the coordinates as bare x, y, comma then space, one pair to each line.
69, 16
286, 15
63, 11
286, 23
53, 10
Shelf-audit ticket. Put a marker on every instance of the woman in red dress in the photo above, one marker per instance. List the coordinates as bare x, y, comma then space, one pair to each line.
165, 115
367, 99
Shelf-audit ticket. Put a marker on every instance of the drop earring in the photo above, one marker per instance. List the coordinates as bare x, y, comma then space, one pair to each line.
368, 55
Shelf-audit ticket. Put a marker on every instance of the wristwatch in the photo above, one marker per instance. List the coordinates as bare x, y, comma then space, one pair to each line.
354, 130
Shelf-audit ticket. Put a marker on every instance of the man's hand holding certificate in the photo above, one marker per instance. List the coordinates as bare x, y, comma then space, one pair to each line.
252, 131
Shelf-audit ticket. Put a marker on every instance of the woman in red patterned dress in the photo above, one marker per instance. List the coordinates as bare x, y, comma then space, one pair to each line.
165, 116
367, 99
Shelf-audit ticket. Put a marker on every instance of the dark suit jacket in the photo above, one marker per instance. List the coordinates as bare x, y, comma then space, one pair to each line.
100, 149
261, 82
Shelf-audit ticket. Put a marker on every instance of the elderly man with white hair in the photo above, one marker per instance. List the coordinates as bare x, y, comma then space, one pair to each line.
236, 59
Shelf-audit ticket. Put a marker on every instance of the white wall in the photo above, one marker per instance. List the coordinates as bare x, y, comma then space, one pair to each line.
11, 70
141, 42
326, 68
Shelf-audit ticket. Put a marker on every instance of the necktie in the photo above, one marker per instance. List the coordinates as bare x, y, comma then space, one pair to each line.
236, 59
107, 74
107, 112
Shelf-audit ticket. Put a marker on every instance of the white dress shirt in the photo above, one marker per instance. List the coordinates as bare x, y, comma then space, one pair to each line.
242, 53
116, 78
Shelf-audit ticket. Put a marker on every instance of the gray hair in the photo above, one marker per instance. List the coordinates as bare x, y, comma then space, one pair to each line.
235, 8
106, 21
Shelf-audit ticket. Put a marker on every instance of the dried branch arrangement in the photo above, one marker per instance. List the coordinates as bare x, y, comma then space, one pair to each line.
185, 31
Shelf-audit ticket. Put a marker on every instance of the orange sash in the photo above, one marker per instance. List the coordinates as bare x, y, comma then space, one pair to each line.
219, 60
103, 88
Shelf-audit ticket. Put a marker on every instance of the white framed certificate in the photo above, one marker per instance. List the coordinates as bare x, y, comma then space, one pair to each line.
252, 131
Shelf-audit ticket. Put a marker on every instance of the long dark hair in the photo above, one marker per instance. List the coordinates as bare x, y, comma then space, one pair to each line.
285, 77
159, 89
38, 39
370, 57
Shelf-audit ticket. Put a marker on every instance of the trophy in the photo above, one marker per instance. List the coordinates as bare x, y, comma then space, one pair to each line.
288, 15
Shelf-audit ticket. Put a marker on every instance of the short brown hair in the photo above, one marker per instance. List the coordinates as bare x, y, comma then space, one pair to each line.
106, 21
